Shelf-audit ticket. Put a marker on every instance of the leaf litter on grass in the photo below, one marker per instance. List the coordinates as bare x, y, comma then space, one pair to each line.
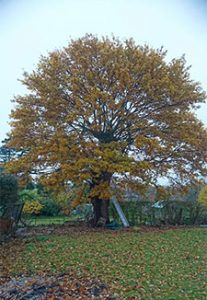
145, 265
62, 286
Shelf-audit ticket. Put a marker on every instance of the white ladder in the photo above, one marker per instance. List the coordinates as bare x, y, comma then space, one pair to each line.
120, 212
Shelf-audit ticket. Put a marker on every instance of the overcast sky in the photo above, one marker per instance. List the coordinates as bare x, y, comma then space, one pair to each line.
29, 28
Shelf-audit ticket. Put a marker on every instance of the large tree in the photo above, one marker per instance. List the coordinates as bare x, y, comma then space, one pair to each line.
102, 109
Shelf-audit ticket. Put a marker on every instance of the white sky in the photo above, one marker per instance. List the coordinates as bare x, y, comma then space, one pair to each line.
29, 28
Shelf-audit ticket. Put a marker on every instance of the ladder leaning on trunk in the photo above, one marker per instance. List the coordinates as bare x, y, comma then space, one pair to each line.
120, 212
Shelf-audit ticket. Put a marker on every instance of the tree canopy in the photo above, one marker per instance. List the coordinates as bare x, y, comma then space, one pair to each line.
101, 109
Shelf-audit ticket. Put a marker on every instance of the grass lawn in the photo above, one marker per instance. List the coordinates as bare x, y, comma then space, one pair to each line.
137, 265
44, 220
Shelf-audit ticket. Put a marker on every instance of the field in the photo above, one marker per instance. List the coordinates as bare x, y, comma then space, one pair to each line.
135, 264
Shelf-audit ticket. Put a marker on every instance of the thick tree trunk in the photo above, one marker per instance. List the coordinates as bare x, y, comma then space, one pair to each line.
101, 206
96, 210
101, 212
105, 210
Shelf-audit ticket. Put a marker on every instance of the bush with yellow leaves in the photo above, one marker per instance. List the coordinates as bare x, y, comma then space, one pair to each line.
32, 207
32, 201
202, 198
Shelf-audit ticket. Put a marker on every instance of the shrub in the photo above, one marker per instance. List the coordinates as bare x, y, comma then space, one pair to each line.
50, 207
31, 200
202, 198
32, 207
39, 202
63, 199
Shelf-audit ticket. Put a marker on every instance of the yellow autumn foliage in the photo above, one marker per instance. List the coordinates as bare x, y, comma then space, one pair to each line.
202, 197
63, 198
32, 207
103, 109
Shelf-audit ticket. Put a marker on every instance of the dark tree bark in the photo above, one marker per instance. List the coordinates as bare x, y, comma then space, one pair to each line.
96, 210
101, 206
105, 210
101, 212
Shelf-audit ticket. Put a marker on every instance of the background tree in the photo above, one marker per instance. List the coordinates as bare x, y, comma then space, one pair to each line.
103, 109
8, 190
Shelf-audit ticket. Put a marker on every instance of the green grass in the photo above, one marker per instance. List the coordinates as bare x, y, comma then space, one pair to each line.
44, 220
154, 265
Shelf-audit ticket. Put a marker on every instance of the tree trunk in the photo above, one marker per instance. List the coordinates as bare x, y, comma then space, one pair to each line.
96, 210
101, 206
101, 212
105, 210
